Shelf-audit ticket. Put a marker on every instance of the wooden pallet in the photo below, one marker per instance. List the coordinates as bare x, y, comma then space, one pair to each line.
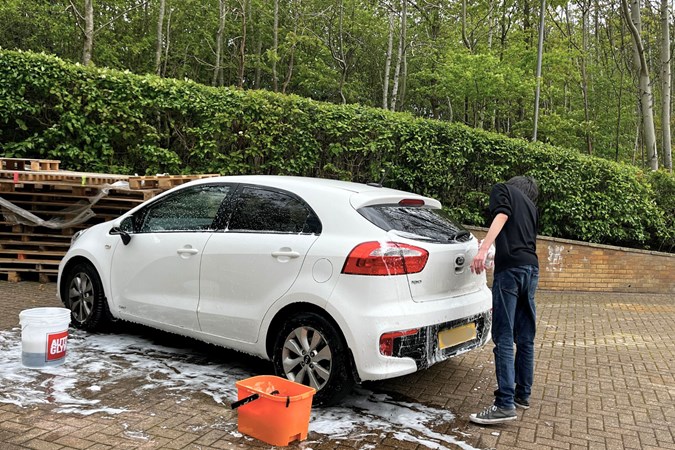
164, 181
29, 265
23, 164
18, 274
38, 256
30, 261
74, 191
78, 178
124, 197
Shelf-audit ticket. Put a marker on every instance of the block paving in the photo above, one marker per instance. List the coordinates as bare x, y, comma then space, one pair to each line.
604, 379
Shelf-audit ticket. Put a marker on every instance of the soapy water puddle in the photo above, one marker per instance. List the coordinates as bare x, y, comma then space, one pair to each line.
95, 363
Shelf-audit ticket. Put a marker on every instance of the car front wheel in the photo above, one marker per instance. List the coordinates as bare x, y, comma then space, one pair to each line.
82, 293
309, 350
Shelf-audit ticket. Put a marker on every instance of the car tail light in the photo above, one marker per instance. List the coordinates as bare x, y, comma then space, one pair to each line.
385, 258
387, 340
411, 202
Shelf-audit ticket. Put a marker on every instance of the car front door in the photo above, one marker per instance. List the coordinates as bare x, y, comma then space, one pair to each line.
155, 278
254, 261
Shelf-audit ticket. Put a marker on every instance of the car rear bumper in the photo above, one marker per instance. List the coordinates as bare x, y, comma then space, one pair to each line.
364, 321
426, 348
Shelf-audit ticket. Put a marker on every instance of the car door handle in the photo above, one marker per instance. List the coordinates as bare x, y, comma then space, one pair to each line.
187, 251
286, 253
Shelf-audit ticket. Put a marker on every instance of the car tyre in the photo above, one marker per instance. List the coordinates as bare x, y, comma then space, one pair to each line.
82, 293
309, 350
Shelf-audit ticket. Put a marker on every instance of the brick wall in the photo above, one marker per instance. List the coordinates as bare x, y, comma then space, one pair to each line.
566, 265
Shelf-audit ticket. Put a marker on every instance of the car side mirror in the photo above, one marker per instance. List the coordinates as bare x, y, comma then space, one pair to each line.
124, 228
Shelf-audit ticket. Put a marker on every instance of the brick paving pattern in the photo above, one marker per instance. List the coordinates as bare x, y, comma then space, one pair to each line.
604, 379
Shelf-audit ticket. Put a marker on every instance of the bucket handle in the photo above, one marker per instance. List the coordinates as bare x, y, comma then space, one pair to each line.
253, 397
244, 401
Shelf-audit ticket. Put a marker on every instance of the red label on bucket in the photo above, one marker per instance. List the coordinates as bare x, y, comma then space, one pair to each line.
56, 345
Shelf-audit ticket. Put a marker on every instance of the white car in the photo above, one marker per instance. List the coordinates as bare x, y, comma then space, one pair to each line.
335, 282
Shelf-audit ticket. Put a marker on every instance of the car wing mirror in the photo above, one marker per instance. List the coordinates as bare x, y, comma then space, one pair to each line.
123, 228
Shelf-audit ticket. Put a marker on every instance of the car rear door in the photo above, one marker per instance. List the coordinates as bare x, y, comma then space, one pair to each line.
255, 261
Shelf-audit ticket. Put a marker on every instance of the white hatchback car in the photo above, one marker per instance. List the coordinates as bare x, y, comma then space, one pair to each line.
335, 282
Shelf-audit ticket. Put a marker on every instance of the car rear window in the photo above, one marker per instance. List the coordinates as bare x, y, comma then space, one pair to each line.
422, 224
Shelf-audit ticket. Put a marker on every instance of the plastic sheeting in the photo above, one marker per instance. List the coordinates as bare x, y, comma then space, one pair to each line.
78, 213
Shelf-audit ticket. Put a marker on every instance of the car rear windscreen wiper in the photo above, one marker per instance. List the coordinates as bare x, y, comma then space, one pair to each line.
459, 235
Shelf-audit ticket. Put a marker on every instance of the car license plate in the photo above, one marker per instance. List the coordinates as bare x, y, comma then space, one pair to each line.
456, 336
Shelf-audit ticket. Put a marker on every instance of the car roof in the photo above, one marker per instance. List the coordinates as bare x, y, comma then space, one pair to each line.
359, 194
287, 181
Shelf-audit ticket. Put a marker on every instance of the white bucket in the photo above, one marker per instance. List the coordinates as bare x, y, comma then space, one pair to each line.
44, 336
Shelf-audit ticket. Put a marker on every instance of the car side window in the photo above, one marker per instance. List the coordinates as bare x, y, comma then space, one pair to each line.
257, 209
191, 209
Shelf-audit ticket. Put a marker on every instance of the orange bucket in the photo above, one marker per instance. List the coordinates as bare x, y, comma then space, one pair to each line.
273, 409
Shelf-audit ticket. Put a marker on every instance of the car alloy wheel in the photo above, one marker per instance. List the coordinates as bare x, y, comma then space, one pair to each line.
311, 350
82, 293
81, 296
307, 357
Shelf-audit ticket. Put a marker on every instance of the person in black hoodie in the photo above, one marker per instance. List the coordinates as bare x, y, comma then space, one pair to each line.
513, 206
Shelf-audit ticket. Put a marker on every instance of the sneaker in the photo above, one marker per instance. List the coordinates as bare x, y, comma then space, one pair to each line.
521, 403
493, 414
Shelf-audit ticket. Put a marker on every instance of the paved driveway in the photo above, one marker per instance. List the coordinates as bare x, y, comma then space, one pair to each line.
604, 379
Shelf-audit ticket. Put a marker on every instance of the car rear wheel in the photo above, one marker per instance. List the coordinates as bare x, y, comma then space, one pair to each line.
82, 293
309, 350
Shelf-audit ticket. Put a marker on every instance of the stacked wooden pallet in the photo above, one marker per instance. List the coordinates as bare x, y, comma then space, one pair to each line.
43, 206
163, 181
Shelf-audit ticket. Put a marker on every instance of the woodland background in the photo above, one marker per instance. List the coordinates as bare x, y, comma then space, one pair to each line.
453, 60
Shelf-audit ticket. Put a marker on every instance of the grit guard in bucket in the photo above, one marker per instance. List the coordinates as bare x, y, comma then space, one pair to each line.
44, 336
273, 409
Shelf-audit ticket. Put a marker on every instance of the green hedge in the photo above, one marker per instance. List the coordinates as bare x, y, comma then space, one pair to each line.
104, 120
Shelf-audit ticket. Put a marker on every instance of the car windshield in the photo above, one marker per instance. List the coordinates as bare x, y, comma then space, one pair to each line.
422, 224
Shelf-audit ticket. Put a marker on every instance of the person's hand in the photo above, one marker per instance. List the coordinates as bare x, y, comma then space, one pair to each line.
478, 263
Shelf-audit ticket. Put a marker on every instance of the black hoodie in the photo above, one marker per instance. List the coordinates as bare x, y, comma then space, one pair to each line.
516, 244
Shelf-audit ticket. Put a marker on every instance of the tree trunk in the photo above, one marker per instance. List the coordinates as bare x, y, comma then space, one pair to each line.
490, 21
217, 67
168, 42
540, 52
275, 46
291, 58
160, 37
665, 85
618, 116
88, 32
387, 64
335, 41
633, 21
289, 73
258, 36
584, 77
404, 74
342, 58
242, 47
401, 50
504, 27
636, 145
467, 44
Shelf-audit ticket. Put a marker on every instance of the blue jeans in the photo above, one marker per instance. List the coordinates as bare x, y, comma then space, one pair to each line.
514, 321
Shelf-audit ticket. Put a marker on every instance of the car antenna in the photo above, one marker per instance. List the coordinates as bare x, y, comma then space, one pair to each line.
381, 183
